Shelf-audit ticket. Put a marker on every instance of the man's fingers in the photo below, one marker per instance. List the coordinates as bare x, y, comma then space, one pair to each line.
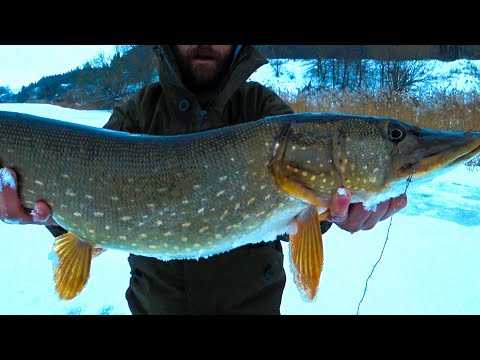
41, 213
11, 210
396, 204
356, 218
375, 216
339, 205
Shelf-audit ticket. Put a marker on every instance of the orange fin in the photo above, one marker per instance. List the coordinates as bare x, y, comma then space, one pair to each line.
306, 253
72, 268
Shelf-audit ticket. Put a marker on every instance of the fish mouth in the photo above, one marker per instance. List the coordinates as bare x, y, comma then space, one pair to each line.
440, 152
468, 156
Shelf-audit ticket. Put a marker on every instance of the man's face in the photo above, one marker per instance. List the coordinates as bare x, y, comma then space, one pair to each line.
203, 66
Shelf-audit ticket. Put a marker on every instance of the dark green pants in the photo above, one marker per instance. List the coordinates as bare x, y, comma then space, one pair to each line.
246, 280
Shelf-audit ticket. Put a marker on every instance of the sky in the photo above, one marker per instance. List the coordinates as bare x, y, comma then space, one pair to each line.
429, 263
21, 65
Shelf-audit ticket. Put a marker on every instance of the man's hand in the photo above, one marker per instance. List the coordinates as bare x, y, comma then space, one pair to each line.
354, 217
11, 210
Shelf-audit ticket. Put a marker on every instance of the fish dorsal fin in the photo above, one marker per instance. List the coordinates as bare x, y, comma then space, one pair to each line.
306, 253
73, 267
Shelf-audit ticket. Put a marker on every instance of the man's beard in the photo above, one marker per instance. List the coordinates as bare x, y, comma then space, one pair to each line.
203, 77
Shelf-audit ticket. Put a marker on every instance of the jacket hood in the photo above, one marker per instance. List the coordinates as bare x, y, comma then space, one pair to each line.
245, 62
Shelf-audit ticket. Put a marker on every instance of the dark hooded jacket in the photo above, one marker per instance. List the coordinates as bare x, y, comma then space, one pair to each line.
249, 279
167, 107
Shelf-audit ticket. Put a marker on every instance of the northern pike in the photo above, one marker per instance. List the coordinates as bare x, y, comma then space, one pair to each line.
196, 195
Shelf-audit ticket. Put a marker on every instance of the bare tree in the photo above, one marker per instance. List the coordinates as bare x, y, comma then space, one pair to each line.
402, 76
141, 65
108, 81
277, 65
6, 94
103, 82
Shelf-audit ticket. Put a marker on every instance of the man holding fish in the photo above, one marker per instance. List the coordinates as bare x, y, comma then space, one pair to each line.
203, 87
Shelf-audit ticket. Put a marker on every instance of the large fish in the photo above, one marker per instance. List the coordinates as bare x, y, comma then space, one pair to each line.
196, 195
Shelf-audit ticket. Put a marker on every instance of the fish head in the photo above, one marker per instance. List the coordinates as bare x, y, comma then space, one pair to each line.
390, 153
428, 152
374, 157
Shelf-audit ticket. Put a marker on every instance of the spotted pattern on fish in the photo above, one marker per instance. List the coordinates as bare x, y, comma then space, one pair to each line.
200, 194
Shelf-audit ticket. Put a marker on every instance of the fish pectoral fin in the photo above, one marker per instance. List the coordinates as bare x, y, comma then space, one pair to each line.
294, 187
306, 253
284, 174
72, 268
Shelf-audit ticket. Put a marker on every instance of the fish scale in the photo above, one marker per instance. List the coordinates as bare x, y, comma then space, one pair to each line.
154, 195
197, 195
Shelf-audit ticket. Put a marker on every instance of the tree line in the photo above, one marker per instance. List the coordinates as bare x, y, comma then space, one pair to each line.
103, 82
372, 52
98, 84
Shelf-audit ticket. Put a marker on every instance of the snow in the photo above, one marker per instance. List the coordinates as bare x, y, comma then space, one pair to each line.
6, 179
429, 250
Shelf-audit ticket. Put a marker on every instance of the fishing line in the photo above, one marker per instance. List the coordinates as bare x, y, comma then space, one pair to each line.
409, 180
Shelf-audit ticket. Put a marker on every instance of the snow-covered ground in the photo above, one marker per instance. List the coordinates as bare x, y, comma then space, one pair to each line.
429, 265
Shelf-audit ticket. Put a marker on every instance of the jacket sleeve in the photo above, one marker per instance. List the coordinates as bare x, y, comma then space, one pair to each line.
125, 116
271, 103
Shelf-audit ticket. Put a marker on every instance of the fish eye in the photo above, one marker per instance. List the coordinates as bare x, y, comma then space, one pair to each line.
396, 132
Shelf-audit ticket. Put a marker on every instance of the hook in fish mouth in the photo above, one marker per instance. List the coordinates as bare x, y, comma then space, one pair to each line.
408, 166
408, 169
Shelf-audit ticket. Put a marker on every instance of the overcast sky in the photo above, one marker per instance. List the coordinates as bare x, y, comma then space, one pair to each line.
21, 65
